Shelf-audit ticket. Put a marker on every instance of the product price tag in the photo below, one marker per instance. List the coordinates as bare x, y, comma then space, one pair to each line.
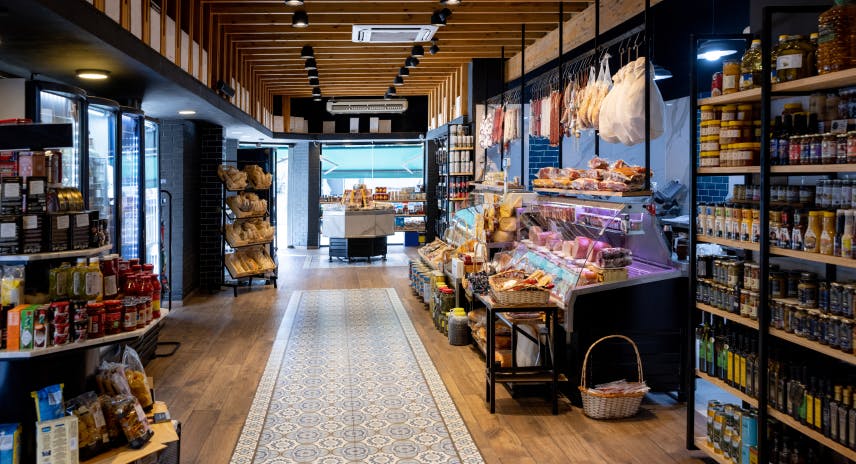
838, 126
62, 222
30, 222
6, 442
81, 220
12, 190
7, 230
37, 187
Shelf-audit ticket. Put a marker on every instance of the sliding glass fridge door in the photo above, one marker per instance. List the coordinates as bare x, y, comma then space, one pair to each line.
152, 186
59, 104
132, 138
102, 123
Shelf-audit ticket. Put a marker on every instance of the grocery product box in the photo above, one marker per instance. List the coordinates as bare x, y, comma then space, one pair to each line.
460, 269
56, 441
27, 326
13, 328
10, 443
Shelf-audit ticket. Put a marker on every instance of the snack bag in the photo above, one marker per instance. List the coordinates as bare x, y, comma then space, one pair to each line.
133, 420
111, 379
115, 436
136, 376
49, 403
91, 426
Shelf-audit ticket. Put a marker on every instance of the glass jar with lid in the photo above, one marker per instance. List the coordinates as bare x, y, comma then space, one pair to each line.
745, 112
795, 59
711, 127
709, 112
730, 76
728, 113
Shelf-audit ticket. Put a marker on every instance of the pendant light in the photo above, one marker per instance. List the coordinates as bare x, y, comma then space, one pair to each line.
307, 52
310, 64
316, 91
398, 80
418, 51
300, 19
403, 72
312, 73
434, 48
313, 81
318, 98
714, 50
298, 2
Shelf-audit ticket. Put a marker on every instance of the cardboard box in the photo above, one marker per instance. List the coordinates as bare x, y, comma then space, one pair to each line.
56, 441
328, 127
27, 326
10, 443
13, 328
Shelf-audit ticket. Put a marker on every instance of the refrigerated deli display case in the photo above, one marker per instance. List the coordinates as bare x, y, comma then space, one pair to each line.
102, 124
612, 274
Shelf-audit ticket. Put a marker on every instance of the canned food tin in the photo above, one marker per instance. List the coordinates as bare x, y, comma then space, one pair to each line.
845, 335
835, 291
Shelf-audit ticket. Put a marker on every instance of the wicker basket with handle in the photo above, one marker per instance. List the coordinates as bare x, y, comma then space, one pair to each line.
599, 405
526, 296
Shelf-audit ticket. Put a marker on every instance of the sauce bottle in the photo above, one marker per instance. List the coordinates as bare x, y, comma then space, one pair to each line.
811, 241
847, 235
94, 281
827, 234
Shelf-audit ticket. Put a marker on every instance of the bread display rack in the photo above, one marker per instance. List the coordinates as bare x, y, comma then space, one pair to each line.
248, 196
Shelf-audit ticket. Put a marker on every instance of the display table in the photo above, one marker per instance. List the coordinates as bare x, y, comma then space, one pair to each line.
358, 234
546, 373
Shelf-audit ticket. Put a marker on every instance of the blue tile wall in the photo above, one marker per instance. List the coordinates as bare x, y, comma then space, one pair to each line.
541, 155
711, 189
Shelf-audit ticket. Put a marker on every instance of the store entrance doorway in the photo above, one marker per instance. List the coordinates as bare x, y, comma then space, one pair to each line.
397, 166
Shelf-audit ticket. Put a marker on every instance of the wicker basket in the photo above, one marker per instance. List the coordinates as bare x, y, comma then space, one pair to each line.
517, 297
611, 405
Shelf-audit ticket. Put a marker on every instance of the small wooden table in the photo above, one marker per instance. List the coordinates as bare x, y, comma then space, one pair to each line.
547, 372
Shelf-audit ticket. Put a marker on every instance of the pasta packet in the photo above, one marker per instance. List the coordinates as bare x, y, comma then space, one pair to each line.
132, 419
136, 377
114, 430
91, 426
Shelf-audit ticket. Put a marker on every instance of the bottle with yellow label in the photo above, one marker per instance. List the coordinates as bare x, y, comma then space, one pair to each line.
827, 234
811, 241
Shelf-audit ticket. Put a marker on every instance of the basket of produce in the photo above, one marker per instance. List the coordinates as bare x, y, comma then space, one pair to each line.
515, 287
614, 400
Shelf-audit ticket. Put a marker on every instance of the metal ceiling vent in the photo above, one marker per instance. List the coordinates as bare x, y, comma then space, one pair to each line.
386, 33
367, 106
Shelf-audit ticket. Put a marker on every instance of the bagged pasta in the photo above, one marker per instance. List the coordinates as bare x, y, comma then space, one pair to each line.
49, 403
114, 430
91, 425
132, 419
136, 376
111, 379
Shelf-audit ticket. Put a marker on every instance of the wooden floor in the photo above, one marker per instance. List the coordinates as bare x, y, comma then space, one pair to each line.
209, 384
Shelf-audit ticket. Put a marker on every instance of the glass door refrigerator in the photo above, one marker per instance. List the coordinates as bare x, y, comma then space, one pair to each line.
103, 125
131, 227
151, 174
52, 103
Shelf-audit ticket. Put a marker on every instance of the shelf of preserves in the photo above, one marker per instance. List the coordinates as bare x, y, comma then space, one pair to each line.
55, 255
574, 193
736, 170
814, 346
813, 434
814, 257
826, 81
752, 95
729, 243
105, 340
813, 168
701, 444
727, 388
742, 320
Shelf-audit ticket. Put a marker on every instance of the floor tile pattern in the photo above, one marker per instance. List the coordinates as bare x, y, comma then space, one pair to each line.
353, 384
393, 259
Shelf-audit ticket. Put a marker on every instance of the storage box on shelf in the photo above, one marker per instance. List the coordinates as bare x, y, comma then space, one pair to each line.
733, 141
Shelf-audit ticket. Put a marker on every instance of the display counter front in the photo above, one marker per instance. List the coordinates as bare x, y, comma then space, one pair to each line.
358, 233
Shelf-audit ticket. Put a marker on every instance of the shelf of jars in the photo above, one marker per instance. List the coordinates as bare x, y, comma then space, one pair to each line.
814, 257
56, 255
736, 318
827, 81
724, 386
751, 246
814, 346
731, 170
786, 169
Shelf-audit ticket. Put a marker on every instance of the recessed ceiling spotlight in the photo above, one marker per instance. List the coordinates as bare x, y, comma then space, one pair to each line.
417, 51
398, 80
434, 48
307, 52
295, 2
187, 112
93, 74
311, 64
403, 72
447, 2
300, 19
312, 73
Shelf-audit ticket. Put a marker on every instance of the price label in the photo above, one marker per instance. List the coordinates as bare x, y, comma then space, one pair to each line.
62, 222
30, 222
11, 190
7, 230
37, 187
81, 220
839, 126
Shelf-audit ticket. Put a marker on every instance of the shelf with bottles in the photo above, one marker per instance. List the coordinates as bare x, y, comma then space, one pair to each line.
738, 244
827, 81
55, 255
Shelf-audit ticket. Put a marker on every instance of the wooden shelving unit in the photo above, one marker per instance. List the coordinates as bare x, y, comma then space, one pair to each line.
813, 434
728, 388
814, 257
701, 444
732, 171
55, 255
729, 243
742, 320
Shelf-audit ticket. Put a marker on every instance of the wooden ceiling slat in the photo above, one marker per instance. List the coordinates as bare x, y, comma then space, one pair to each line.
423, 18
372, 9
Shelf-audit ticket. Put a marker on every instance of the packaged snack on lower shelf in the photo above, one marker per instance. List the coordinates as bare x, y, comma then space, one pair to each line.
91, 426
10, 443
249, 261
56, 441
49, 403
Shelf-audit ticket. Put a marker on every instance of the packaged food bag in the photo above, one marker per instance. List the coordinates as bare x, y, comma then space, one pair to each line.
91, 425
10, 443
132, 419
49, 403
136, 376
111, 379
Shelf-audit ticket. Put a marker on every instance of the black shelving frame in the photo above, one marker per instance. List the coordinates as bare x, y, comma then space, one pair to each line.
443, 145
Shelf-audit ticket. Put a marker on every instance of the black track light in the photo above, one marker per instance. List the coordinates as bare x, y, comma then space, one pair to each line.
390, 91
313, 81
398, 80
387, 96
298, 2
411, 62
310, 64
307, 52
417, 51
300, 19
403, 72
312, 73
316, 91
449, 2
434, 48
318, 98
438, 18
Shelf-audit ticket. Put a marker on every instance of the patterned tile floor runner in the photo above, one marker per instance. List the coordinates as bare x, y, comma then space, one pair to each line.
322, 261
349, 381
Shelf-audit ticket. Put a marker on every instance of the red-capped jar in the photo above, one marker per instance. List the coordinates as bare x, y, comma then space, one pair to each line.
113, 323
110, 272
129, 314
134, 262
96, 314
